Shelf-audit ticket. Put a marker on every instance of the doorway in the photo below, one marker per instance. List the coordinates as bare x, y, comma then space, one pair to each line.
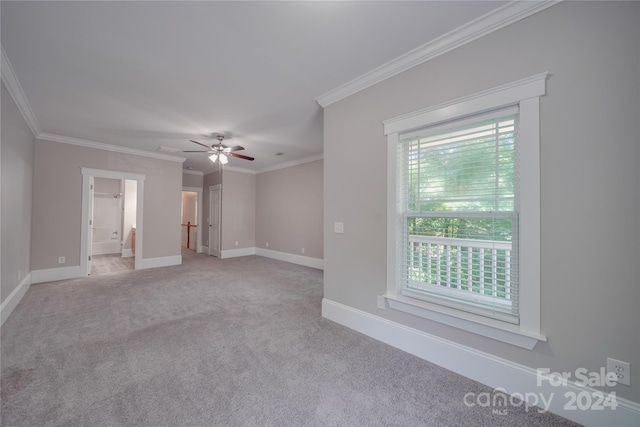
128, 224
189, 220
194, 212
112, 221
107, 217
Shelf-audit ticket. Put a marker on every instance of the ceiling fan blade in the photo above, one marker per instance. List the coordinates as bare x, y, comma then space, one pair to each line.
236, 148
199, 143
240, 156
196, 151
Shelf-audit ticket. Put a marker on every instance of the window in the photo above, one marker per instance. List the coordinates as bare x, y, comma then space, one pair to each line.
459, 205
463, 220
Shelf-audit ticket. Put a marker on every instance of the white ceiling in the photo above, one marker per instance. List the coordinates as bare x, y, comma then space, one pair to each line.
149, 74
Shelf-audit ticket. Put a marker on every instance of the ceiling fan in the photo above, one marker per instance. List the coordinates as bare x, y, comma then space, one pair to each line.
220, 151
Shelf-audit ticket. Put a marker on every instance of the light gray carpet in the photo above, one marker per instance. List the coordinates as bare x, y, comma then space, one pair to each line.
237, 342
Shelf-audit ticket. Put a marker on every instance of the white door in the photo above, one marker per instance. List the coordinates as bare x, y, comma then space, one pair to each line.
214, 220
90, 230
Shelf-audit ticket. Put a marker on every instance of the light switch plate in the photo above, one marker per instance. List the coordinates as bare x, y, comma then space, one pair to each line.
338, 227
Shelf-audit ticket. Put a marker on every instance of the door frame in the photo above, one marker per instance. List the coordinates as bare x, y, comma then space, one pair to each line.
213, 188
87, 174
199, 213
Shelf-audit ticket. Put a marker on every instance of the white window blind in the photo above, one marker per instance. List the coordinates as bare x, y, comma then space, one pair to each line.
458, 187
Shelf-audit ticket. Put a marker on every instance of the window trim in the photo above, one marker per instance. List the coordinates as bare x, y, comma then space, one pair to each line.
526, 94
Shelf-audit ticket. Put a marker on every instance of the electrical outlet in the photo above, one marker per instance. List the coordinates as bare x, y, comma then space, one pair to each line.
267, 245
61, 260
236, 243
338, 227
302, 250
381, 303
621, 369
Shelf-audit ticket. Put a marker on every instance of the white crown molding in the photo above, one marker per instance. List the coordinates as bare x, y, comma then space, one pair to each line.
192, 172
228, 168
486, 24
269, 169
237, 169
13, 86
292, 163
108, 147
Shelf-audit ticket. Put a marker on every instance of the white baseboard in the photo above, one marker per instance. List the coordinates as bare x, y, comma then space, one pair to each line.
205, 250
165, 261
232, 253
105, 248
495, 372
295, 259
53, 274
127, 253
14, 298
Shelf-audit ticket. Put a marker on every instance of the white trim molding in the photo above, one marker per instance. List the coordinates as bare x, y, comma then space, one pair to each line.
284, 165
292, 258
108, 147
192, 172
511, 12
512, 378
165, 261
237, 169
489, 328
87, 173
217, 168
11, 302
233, 253
15, 89
280, 256
524, 94
292, 163
54, 274
127, 253
493, 98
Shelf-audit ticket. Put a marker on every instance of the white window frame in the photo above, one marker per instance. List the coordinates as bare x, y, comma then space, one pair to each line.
524, 93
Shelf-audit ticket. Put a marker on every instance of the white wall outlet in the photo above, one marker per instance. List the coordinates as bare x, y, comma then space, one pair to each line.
61, 260
621, 369
381, 302
302, 250
267, 244
236, 243
338, 227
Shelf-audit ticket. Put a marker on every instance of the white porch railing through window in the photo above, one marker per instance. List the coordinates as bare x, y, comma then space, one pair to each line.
462, 268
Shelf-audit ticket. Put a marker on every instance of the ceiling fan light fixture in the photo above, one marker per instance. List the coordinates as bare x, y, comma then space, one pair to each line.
223, 159
213, 157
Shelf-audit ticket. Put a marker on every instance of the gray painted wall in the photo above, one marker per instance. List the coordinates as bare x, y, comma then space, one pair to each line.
58, 196
192, 180
16, 146
289, 210
238, 210
590, 152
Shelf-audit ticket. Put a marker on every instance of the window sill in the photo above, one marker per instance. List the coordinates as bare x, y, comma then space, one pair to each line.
510, 334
